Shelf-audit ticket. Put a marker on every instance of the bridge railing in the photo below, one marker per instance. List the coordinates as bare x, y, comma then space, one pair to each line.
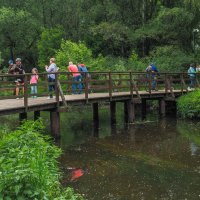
132, 83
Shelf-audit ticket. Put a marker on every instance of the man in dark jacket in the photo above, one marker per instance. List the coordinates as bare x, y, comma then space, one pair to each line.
18, 69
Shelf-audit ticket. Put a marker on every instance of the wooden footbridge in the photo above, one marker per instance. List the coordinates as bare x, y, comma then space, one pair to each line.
98, 87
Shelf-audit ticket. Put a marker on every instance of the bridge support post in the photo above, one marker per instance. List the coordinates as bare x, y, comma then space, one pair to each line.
95, 109
113, 112
36, 115
144, 108
55, 123
22, 116
129, 111
162, 108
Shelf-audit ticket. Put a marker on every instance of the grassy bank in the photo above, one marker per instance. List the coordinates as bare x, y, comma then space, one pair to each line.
189, 105
29, 167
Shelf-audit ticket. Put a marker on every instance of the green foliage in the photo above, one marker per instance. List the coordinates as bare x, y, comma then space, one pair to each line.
135, 64
111, 28
169, 26
114, 35
71, 51
18, 32
28, 165
189, 105
171, 59
48, 44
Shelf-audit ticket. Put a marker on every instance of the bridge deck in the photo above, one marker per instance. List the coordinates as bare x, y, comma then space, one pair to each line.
11, 106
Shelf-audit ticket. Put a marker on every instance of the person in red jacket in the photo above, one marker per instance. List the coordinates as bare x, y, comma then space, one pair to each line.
76, 78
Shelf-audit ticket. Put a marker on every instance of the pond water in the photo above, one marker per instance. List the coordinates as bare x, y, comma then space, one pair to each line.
150, 159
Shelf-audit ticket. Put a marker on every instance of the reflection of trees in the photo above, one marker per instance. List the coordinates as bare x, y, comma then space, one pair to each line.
190, 131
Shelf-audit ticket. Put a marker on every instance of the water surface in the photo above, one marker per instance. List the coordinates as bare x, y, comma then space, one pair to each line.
151, 159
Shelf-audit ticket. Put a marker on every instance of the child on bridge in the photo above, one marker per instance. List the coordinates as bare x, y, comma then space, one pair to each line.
33, 82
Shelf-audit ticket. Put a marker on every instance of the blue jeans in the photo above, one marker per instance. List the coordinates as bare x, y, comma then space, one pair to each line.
77, 84
34, 89
192, 81
51, 86
153, 84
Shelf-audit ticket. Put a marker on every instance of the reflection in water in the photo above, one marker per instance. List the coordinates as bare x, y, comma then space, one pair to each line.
193, 148
151, 159
144, 160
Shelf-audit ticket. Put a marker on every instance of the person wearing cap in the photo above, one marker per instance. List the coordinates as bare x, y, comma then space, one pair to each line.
10, 67
18, 69
153, 72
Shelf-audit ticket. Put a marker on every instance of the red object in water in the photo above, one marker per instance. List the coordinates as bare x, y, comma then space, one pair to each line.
76, 174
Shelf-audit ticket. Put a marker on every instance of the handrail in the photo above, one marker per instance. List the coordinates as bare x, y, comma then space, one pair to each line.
107, 82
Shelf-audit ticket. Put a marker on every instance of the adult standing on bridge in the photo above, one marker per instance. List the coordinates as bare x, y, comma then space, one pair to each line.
192, 76
152, 69
76, 78
18, 68
52, 68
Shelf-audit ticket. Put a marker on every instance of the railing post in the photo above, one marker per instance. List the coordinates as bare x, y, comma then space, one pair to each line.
166, 84
86, 86
57, 90
68, 85
150, 81
182, 83
131, 85
110, 85
26, 93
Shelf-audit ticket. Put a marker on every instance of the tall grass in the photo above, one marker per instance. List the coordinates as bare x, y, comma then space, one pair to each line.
29, 167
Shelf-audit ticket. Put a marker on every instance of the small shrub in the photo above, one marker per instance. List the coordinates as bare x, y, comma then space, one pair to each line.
189, 105
28, 165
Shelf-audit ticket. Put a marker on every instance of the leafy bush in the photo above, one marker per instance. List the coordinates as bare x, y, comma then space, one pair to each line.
135, 64
71, 51
171, 59
48, 45
189, 105
28, 165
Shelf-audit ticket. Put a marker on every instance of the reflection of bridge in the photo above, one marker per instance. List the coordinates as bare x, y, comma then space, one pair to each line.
129, 88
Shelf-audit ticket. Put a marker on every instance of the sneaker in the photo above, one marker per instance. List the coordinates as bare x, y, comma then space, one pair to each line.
17, 98
49, 97
189, 89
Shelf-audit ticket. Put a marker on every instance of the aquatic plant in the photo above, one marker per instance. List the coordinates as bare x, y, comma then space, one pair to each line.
189, 105
29, 167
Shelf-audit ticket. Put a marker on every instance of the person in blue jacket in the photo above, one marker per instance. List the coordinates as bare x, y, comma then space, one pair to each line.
84, 72
154, 72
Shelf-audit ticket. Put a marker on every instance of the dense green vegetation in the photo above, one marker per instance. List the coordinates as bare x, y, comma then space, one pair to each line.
119, 35
189, 105
29, 167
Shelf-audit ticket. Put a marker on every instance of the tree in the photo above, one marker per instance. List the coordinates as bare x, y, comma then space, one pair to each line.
18, 33
48, 44
75, 52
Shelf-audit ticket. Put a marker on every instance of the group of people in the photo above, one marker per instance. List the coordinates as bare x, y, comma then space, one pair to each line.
78, 73
152, 73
